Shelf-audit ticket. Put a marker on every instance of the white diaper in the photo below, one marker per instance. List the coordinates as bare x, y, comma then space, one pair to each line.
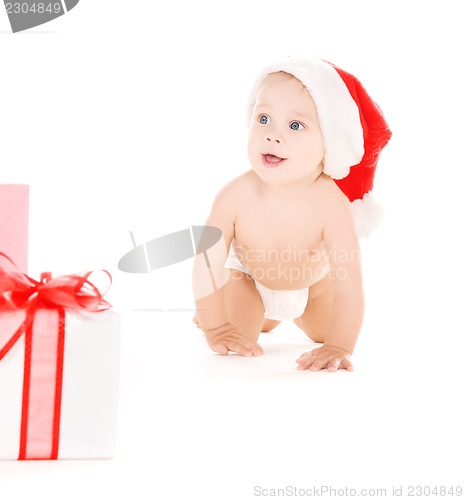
283, 304
278, 304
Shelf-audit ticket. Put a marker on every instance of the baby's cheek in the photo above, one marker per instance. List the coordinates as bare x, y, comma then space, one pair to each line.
252, 148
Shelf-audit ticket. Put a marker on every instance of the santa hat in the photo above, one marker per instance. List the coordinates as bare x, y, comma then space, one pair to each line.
353, 128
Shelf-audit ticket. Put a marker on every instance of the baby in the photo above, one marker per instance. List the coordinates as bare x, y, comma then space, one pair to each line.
290, 244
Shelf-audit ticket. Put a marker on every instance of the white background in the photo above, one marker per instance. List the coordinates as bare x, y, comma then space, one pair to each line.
130, 116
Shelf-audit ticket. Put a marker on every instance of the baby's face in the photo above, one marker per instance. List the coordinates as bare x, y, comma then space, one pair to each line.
285, 142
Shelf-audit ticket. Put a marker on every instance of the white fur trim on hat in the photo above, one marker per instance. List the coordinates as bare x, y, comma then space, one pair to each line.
338, 113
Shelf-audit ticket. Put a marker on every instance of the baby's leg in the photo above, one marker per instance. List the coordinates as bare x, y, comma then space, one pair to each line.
244, 305
315, 320
269, 324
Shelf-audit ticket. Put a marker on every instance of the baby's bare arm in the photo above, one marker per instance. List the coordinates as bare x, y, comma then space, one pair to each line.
348, 302
345, 262
210, 277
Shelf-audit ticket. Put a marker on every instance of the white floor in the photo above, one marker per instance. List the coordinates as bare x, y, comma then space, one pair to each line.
197, 425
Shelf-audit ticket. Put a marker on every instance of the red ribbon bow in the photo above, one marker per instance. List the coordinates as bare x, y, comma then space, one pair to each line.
40, 307
73, 291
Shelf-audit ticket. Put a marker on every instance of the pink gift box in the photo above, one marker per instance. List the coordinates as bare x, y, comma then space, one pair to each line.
14, 218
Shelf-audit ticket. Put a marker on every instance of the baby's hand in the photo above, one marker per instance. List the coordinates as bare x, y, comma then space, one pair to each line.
326, 356
229, 338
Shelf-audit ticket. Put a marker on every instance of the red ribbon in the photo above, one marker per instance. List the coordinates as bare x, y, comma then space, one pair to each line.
39, 307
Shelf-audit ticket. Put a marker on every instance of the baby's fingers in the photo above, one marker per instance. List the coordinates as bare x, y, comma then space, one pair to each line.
244, 347
305, 360
333, 365
250, 344
239, 349
336, 364
346, 363
220, 348
315, 361
318, 364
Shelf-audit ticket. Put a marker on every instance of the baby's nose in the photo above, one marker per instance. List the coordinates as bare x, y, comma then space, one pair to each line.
272, 139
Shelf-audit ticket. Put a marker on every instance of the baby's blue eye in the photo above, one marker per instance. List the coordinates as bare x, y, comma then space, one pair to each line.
296, 126
264, 119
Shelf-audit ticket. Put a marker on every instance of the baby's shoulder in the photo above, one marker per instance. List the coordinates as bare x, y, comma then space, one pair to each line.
331, 195
239, 188
241, 185
335, 211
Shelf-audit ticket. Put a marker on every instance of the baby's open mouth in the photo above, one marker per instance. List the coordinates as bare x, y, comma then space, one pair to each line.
272, 161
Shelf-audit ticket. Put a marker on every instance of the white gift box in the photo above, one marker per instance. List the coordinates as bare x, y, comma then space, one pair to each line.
89, 397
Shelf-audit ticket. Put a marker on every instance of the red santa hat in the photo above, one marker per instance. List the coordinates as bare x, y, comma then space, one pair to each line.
353, 128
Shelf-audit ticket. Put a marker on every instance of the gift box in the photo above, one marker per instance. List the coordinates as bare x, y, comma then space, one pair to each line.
59, 367
14, 216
